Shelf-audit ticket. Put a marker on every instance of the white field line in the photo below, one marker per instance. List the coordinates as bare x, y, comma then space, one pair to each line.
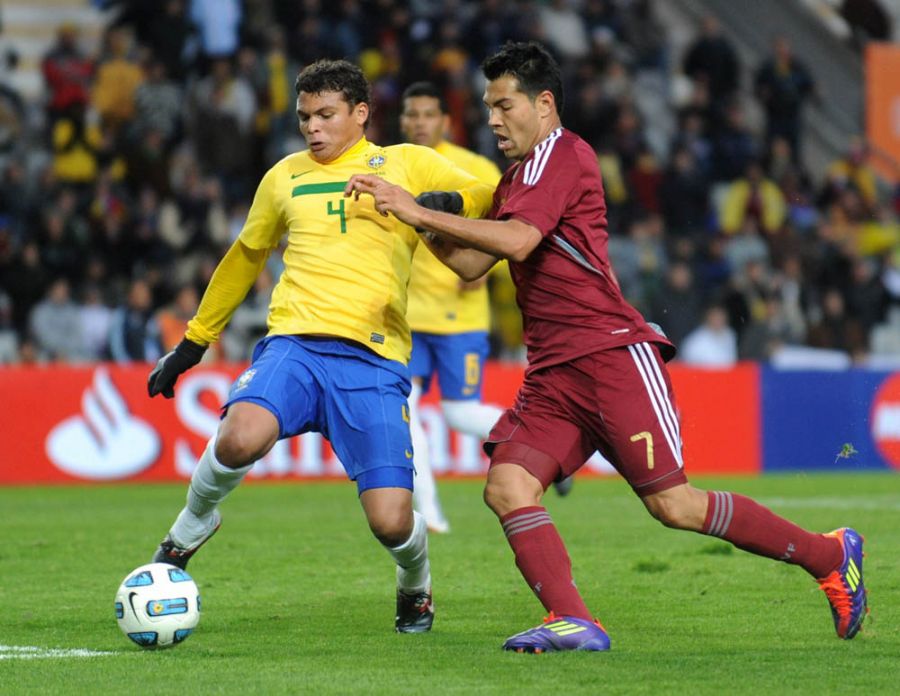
844, 502
32, 652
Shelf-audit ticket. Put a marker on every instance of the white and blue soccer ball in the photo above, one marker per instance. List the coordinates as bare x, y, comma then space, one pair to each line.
158, 605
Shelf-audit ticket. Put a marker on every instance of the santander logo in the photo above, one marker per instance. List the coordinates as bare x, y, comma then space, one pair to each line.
885, 420
105, 441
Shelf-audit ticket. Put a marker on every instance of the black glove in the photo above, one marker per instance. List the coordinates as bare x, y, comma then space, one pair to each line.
163, 377
441, 201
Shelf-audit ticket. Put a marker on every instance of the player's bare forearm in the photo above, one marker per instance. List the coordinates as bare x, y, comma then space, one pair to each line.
506, 239
501, 239
469, 264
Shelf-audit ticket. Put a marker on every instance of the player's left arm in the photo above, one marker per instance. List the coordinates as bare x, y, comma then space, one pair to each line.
501, 239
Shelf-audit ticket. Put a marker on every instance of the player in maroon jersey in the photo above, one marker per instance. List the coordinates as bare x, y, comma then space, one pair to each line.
596, 377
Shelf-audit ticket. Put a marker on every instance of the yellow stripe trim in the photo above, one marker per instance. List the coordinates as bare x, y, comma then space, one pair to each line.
852, 575
570, 631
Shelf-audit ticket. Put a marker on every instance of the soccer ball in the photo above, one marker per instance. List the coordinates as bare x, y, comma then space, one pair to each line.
158, 605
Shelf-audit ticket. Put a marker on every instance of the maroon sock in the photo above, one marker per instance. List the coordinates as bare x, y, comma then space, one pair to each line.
754, 528
543, 561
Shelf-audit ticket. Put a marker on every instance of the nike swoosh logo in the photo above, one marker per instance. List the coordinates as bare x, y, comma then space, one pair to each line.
408, 454
131, 596
297, 176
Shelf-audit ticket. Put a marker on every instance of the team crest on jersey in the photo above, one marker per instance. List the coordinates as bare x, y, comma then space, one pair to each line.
376, 161
244, 379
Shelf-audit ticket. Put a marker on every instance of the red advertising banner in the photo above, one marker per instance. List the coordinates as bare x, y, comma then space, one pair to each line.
96, 423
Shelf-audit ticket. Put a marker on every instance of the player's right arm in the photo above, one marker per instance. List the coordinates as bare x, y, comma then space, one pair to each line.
229, 285
468, 264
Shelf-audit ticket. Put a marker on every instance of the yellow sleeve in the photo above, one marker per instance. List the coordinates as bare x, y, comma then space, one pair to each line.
431, 171
229, 285
265, 222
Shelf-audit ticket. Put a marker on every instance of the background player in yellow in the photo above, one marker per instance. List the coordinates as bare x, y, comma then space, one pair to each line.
334, 360
449, 317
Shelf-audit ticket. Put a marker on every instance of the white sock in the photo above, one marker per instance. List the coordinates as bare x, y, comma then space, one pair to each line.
413, 568
425, 496
210, 483
471, 417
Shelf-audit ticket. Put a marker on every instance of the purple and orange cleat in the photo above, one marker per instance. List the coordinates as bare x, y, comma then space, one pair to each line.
844, 587
559, 633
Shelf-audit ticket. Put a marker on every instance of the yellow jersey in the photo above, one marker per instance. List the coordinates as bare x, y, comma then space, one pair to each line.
346, 267
437, 304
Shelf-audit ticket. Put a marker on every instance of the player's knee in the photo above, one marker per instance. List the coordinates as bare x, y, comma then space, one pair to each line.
511, 490
391, 527
667, 512
675, 511
234, 449
496, 498
247, 433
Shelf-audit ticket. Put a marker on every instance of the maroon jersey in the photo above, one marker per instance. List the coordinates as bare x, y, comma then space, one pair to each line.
569, 297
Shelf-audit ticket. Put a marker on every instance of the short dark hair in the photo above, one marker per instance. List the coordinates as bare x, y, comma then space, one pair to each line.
335, 76
532, 65
426, 89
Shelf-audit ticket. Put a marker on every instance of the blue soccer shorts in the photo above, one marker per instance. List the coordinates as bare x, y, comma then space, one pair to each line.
458, 360
355, 398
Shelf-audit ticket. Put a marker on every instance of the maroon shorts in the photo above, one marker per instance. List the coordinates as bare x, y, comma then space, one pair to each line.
617, 401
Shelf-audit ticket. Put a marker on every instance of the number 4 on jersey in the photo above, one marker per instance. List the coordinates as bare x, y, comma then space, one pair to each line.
339, 210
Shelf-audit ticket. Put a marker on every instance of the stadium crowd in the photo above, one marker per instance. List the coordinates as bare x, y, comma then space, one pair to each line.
123, 188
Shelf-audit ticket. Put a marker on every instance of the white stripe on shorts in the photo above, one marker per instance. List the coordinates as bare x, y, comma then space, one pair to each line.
645, 362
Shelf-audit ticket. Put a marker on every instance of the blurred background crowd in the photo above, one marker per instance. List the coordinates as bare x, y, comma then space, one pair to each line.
128, 173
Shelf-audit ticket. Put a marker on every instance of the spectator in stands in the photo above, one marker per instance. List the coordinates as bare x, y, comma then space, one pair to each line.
133, 336
745, 294
78, 145
734, 146
12, 111
852, 170
67, 74
171, 320
26, 280
94, 323
712, 59
168, 33
564, 29
118, 77
63, 238
223, 109
754, 199
763, 337
712, 344
792, 289
677, 307
866, 297
279, 104
783, 85
54, 324
158, 105
218, 22
9, 337
684, 195
691, 136
836, 329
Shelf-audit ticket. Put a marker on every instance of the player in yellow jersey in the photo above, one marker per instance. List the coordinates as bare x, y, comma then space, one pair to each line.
449, 317
334, 360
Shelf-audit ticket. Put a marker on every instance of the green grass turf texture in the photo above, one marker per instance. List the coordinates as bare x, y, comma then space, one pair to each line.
298, 597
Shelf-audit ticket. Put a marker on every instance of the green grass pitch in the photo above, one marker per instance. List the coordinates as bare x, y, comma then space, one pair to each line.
298, 598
